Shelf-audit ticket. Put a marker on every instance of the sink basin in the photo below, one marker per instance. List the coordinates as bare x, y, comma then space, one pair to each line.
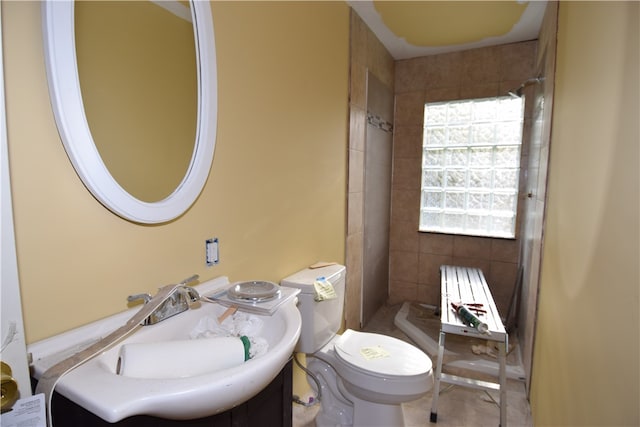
97, 387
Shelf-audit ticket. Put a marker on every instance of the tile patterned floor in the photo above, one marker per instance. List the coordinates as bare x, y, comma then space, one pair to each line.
457, 406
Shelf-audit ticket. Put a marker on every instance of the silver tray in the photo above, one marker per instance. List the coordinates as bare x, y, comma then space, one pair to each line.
254, 291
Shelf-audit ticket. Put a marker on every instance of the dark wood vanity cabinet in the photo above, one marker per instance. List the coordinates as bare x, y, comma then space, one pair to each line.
270, 407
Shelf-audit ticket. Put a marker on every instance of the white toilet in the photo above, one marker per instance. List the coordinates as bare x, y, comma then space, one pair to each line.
364, 378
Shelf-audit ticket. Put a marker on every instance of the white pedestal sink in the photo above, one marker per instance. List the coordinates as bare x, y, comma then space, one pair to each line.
97, 387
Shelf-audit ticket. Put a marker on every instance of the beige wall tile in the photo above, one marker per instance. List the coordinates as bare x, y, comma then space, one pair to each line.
353, 298
354, 213
367, 54
358, 40
407, 142
357, 126
379, 61
403, 266
429, 294
480, 90
505, 250
472, 247
402, 291
480, 66
429, 268
358, 86
353, 294
403, 237
407, 173
434, 243
442, 94
356, 171
501, 281
354, 253
444, 70
409, 109
405, 206
517, 60
410, 75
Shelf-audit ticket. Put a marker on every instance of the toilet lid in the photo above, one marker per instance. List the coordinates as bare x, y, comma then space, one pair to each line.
381, 354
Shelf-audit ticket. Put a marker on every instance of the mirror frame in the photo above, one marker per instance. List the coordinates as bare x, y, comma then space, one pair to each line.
66, 100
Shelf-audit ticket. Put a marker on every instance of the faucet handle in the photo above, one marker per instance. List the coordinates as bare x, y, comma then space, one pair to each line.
190, 294
189, 280
145, 297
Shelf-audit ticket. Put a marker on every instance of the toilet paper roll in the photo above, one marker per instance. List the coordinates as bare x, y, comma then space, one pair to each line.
178, 359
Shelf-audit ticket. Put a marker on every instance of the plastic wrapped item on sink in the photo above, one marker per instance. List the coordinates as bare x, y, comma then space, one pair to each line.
237, 325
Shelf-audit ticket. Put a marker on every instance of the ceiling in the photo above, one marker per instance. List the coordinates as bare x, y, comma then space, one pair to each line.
409, 29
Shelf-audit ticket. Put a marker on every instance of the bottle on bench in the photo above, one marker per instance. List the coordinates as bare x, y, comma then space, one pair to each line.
470, 319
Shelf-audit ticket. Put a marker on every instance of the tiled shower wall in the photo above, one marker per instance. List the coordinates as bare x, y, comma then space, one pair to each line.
415, 257
367, 54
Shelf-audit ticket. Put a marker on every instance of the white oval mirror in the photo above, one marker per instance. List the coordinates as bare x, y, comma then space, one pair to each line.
68, 107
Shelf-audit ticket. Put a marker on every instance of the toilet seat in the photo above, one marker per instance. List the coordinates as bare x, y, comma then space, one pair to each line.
381, 356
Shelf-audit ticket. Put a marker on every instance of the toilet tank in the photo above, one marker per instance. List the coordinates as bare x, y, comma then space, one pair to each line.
321, 320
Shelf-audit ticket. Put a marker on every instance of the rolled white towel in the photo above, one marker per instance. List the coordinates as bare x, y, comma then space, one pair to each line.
184, 358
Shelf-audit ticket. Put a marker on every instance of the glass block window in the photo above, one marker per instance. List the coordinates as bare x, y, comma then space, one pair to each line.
471, 165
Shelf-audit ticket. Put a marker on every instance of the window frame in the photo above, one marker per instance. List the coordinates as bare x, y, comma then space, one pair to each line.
457, 195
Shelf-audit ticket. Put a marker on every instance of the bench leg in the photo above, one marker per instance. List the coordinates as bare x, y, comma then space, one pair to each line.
436, 386
502, 350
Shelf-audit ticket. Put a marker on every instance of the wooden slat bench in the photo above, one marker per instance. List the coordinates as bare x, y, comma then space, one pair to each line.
468, 285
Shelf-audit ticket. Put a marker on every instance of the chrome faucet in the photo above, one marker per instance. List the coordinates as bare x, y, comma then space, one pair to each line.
180, 300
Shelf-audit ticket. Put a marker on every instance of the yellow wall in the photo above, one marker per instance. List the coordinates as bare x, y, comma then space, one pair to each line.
275, 196
586, 365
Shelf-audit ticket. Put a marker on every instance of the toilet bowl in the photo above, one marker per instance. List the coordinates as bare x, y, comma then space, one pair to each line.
364, 377
368, 377
392, 372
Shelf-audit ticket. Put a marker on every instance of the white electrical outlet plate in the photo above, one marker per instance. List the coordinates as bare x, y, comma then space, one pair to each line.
211, 251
